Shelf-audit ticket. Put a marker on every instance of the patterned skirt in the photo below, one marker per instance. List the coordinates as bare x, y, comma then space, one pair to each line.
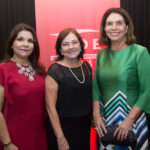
114, 112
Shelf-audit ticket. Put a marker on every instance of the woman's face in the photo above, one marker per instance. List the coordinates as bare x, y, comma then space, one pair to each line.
23, 45
115, 27
70, 47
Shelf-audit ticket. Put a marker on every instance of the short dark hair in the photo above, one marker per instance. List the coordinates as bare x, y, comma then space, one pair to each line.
34, 57
130, 37
62, 36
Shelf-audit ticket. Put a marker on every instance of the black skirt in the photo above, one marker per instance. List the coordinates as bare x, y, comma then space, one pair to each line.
75, 129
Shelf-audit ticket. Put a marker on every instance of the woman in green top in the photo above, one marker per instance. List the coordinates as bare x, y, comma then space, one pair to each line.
121, 81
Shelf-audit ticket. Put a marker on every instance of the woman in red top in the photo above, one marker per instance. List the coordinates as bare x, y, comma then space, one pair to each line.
22, 124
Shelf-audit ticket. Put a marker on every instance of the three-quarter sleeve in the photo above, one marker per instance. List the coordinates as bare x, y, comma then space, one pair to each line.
95, 87
143, 70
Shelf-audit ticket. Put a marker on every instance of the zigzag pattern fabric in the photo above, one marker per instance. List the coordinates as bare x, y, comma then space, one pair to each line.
114, 112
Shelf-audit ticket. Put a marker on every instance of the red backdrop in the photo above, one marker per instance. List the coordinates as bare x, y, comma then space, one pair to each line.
84, 15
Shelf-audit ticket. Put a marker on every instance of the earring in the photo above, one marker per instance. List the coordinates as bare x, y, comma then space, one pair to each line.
62, 53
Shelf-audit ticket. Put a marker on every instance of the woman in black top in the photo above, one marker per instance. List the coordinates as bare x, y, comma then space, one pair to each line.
68, 95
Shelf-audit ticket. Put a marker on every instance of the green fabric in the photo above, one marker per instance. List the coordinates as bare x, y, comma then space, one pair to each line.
126, 70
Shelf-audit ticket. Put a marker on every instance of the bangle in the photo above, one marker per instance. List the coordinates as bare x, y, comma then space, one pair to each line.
7, 144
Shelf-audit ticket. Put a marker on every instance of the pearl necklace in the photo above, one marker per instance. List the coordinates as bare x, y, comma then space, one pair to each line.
27, 71
81, 82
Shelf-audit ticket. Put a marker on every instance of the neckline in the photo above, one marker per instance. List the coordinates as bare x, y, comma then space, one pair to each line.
19, 63
24, 70
70, 67
119, 50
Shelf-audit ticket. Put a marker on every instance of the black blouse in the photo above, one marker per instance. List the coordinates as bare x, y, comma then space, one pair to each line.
74, 99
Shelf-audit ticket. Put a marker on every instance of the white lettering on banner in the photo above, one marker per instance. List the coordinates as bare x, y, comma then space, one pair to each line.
96, 44
79, 31
53, 58
95, 41
89, 56
91, 44
85, 44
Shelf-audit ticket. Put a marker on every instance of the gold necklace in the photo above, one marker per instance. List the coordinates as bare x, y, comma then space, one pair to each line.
81, 82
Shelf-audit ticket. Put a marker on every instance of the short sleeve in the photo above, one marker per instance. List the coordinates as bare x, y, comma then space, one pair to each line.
143, 69
95, 87
53, 72
1, 77
4, 83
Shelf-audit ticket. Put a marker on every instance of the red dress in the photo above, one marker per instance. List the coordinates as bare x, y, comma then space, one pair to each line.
23, 108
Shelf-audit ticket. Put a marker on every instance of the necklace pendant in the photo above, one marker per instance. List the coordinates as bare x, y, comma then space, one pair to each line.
20, 71
31, 78
26, 71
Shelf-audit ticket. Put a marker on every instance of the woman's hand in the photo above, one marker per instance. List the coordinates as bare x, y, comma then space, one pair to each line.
11, 147
98, 120
123, 129
62, 143
99, 126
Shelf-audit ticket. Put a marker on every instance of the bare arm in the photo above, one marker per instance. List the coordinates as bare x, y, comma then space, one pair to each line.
98, 120
4, 135
51, 89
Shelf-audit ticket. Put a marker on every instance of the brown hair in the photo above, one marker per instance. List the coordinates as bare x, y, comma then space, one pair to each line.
130, 37
34, 57
62, 36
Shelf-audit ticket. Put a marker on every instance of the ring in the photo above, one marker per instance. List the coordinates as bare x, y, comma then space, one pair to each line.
96, 128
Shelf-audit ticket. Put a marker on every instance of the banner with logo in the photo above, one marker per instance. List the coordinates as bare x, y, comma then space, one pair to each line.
84, 15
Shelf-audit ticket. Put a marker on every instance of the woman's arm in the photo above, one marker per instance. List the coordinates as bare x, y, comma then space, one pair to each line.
51, 89
126, 125
4, 135
98, 120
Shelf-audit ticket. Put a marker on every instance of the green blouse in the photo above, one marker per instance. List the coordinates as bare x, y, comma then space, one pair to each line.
126, 70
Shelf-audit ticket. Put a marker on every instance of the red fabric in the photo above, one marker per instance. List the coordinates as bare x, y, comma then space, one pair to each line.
23, 108
93, 139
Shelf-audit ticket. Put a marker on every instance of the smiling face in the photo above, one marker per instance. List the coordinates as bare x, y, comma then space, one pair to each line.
70, 47
116, 28
23, 45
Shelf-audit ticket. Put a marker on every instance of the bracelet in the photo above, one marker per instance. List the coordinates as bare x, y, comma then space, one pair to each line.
7, 144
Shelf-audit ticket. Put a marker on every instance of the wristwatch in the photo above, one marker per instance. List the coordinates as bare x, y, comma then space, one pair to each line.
7, 144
